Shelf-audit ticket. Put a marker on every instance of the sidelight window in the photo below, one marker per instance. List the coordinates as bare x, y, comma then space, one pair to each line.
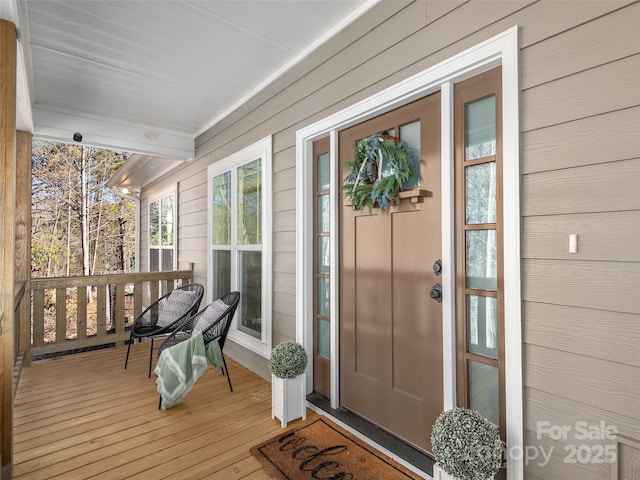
480, 320
322, 270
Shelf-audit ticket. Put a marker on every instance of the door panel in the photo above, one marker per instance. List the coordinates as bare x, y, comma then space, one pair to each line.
390, 329
370, 295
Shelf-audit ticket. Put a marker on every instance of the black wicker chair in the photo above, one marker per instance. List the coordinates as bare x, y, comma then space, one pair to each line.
171, 314
217, 329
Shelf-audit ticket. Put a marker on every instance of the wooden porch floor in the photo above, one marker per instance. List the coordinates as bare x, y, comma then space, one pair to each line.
84, 416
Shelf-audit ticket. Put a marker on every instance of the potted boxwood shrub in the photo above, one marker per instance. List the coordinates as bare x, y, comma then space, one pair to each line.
466, 446
287, 364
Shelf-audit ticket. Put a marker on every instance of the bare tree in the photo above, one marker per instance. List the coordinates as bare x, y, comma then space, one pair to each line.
79, 226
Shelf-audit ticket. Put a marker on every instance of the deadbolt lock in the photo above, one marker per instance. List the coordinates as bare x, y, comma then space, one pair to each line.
436, 293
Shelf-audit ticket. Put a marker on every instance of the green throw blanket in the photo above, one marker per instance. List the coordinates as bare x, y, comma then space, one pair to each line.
180, 366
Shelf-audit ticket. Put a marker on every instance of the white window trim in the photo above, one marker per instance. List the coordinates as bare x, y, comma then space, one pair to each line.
172, 190
501, 49
261, 149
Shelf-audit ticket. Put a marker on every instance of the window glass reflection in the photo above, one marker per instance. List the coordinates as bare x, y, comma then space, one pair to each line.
480, 128
482, 263
483, 390
480, 188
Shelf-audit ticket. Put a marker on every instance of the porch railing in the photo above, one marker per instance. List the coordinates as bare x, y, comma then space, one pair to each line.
20, 311
72, 313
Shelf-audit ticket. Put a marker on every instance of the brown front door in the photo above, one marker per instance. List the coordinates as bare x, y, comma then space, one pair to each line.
390, 328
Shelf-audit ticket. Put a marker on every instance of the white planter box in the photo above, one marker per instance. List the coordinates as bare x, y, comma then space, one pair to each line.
439, 474
288, 399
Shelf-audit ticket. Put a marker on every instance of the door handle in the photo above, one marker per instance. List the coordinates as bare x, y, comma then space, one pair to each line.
436, 293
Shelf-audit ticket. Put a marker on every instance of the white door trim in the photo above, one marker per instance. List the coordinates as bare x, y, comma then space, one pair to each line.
502, 50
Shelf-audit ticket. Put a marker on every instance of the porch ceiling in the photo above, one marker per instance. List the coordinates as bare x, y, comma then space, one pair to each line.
149, 76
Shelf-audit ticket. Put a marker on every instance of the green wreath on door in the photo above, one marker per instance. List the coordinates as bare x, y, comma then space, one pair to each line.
377, 173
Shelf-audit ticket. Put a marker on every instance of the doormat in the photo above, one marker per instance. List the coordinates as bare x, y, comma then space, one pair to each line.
321, 449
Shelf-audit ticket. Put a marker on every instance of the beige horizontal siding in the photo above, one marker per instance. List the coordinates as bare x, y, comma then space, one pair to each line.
609, 386
602, 334
285, 304
283, 179
191, 221
593, 188
192, 206
611, 286
192, 173
284, 282
284, 221
195, 193
561, 17
284, 160
544, 406
284, 262
559, 465
581, 312
189, 246
546, 148
583, 94
531, 476
284, 200
550, 408
598, 42
284, 323
284, 242
611, 236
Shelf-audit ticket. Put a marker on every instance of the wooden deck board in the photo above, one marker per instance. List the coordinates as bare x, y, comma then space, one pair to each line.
84, 416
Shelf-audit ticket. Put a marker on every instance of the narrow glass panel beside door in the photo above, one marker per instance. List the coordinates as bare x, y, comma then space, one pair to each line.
482, 323
480, 128
483, 390
323, 213
321, 267
323, 255
323, 337
323, 296
482, 268
323, 172
480, 188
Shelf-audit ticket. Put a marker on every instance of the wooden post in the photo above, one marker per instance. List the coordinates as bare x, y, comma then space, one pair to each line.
23, 237
7, 237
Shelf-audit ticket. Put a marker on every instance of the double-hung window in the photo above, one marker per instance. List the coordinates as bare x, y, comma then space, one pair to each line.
239, 200
162, 228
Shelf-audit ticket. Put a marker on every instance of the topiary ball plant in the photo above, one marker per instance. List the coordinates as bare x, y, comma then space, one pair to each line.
288, 360
466, 445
